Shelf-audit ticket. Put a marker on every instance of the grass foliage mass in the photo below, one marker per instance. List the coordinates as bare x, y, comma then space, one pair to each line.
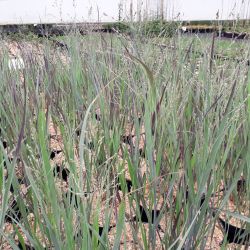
174, 123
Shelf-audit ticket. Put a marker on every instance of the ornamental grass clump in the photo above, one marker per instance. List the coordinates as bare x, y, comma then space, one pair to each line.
118, 141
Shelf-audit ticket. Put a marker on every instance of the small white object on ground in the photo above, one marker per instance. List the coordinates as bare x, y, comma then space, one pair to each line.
184, 28
16, 63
